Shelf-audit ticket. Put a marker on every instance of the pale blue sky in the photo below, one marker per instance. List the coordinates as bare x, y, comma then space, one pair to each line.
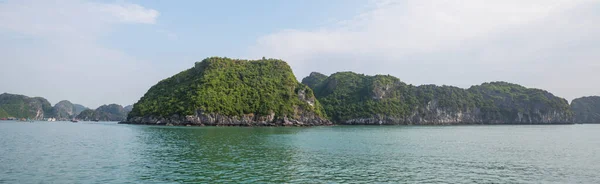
100, 52
222, 28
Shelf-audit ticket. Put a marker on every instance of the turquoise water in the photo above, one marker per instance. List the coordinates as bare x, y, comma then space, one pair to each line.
64, 152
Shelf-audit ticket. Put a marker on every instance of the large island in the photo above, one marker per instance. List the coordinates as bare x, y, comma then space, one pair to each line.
351, 98
229, 92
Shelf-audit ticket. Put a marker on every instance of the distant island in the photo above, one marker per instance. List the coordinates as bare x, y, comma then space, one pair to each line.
231, 92
13, 106
111, 112
586, 109
226, 92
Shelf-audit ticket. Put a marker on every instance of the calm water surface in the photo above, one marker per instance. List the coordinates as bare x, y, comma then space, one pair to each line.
62, 152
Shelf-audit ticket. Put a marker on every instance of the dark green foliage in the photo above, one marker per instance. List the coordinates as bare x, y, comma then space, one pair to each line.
21, 106
586, 109
228, 87
314, 79
506, 99
87, 114
111, 112
3, 113
347, 95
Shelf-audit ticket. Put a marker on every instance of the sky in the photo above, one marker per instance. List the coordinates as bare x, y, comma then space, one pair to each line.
112, 51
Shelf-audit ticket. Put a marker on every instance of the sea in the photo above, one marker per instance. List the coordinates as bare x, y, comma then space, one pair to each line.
107, 152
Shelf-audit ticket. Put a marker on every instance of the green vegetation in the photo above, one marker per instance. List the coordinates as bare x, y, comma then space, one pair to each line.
64, 110
347, 95
3, 113
20, 106
502, 99
87, 114
111, 112
313, 79
586, 109
228, 87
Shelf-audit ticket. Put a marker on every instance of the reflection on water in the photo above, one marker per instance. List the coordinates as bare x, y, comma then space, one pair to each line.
111, 153
225, 154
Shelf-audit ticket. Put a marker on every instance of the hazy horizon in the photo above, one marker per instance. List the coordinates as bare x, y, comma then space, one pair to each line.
101, 51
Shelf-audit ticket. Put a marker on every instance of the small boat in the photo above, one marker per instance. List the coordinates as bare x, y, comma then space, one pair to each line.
74, 121
96, 120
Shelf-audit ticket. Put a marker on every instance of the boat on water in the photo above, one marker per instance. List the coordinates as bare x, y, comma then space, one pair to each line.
74, 121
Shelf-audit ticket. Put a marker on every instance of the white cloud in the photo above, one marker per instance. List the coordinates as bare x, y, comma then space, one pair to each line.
69, 18
51, 49
131, 13
455, 42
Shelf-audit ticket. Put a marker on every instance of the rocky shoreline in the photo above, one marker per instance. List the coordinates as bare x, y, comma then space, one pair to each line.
442, 117
221, 120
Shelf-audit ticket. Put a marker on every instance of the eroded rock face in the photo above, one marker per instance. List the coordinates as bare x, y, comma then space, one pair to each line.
64, 110
586, 109
475, 116
211, 119
432, 114
201, 118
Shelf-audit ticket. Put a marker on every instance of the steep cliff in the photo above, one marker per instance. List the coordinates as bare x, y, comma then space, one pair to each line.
20, 106
229, 92
111, 112
350, 98
65, 110
586, 109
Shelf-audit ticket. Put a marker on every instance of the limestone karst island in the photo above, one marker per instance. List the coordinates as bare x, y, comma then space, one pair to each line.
231, 92
300, 91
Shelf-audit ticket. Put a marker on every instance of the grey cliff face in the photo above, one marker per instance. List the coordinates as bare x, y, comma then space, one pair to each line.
64, 110
432, 114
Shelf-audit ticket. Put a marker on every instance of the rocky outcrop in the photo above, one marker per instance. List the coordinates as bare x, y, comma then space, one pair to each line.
435, 115
65, 110
111, 112
21, 106
213, 119
229, 92
356, 99
586, 109
301, 117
